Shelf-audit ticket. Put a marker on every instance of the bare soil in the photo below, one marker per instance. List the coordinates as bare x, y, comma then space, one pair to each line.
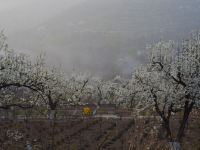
94, 134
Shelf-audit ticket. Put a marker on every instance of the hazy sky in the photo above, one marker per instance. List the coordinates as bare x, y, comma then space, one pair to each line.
106, 37
23, 14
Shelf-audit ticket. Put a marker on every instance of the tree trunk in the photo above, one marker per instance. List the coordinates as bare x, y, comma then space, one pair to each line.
28, 146
52, 114
184, 122
175, 145
11, 114
53, 135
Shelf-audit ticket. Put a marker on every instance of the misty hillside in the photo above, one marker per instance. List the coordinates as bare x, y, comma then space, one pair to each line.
108, 35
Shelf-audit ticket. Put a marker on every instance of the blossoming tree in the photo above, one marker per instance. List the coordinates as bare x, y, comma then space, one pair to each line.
171, 82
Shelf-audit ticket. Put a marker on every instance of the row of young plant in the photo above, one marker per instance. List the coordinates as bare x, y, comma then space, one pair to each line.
169, 83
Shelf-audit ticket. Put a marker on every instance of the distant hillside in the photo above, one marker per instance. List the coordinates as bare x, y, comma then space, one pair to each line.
109, 35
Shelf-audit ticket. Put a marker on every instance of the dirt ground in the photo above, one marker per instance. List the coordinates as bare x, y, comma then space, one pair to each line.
72, 134
93, 134
149, 134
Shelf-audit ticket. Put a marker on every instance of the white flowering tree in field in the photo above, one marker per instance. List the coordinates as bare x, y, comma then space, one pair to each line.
18, 74
97, 85
133, 93
77, 90
171, 82
53, 91
17, 71
103, 91
111, 91
77, 87
119, 85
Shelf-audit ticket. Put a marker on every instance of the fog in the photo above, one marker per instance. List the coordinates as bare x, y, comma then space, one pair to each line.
104, 37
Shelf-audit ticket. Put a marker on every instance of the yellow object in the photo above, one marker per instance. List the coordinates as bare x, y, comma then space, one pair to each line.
86, 111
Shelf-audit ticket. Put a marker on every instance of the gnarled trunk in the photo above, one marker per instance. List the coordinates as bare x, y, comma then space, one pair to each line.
12, 113
175, 145
52, 114
28, 146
